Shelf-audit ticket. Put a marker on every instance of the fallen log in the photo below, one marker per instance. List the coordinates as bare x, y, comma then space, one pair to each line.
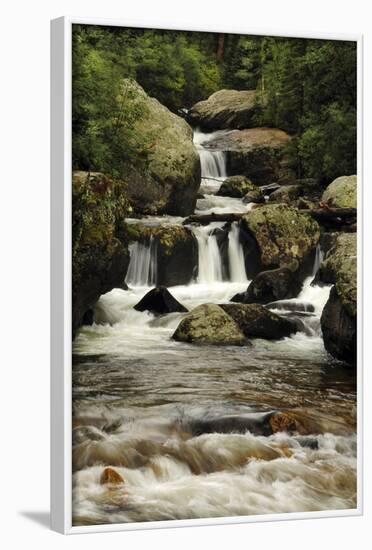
333, 216
205, 219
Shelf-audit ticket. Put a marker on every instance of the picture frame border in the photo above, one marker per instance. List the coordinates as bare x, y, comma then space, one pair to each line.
61, 284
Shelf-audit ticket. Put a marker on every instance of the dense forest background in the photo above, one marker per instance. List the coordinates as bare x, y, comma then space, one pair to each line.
305, 87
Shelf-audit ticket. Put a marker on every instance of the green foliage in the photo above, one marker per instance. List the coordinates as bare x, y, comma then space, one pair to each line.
306, 87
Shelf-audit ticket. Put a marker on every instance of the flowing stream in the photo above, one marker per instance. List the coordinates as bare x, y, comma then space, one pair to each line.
181, 423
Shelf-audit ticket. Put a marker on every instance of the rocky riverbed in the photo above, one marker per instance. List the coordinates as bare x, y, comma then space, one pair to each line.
230, 389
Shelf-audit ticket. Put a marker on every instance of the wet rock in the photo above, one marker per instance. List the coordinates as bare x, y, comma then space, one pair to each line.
237, 187
110, 476
258, 153
270, 286
209, 324
255, 321
88, 318
283, 422
255, 196
224, 109
164, 174
291, 305
100, 254
287, 194
341, 193
160, 301
339, 329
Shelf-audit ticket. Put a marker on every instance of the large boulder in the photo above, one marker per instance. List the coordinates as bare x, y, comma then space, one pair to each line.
160, 301
258, 153
99, 239
284, 237
209, 324
255, 321
236, 186
341, 193
176, 251
224, 109
339, 317
164, 169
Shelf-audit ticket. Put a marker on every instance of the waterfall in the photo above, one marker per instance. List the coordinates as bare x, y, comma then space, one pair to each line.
209, 257
212, 163
236, 256
142, 267
319, 255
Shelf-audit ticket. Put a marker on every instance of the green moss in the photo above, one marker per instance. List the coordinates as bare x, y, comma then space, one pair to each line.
283, 234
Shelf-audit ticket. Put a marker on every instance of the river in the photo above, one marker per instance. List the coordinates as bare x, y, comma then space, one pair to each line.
175, 420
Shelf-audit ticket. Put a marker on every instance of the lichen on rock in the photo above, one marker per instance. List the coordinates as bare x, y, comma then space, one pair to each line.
209, 324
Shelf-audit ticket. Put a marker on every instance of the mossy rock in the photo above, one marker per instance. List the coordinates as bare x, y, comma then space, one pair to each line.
287, 194
341, 193
255, 321
237, 187
225, 109
283, 234
99, 239
164, 176
209, 324
340, 268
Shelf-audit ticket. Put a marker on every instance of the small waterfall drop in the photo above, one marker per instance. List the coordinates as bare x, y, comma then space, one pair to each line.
210, 261
236, 256
319, 256
142, 267
213, 163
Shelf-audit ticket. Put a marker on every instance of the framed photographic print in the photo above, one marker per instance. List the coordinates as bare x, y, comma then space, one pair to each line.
206, 363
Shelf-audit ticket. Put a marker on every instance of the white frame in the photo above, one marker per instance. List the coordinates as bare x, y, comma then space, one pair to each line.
61, 342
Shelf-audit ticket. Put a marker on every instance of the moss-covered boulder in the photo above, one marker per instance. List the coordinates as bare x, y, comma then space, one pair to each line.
339, 317
283, 234
176, 251
164, 169
236, 186
99, 239
341, 193
209, 324
258, 153
224, 109
255, 321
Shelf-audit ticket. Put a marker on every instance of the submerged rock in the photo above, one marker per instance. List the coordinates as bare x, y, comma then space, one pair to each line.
341, 193
100, 254
236, 186
224, 109
258, 153
209, 324
339, 317
164, 174
110, 476
255, 321
160, 301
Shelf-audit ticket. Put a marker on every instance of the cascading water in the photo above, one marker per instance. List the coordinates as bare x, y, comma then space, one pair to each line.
174, 419
213, 163
236, 256
142, 267
209, 257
